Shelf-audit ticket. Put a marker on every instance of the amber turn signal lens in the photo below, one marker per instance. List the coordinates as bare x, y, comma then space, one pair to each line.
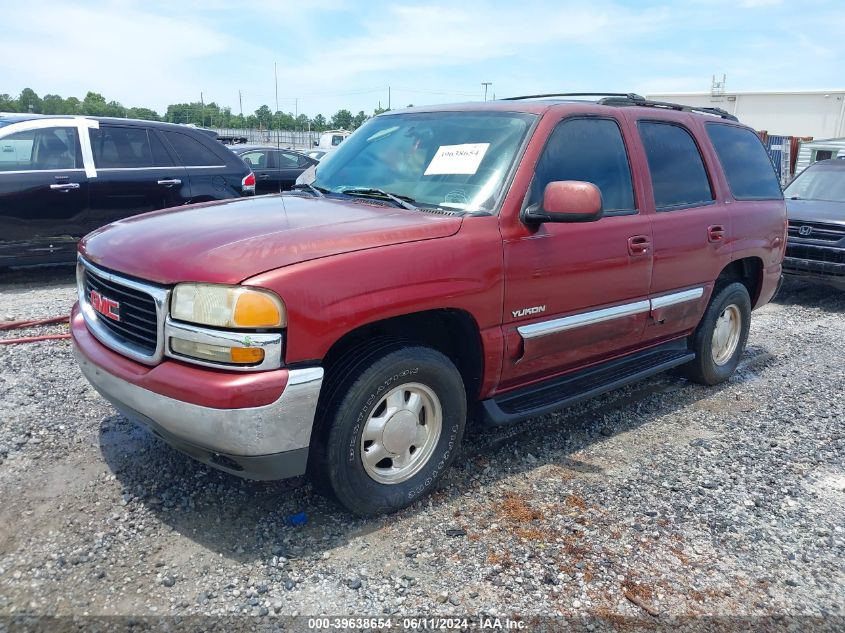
247, 355
254, 309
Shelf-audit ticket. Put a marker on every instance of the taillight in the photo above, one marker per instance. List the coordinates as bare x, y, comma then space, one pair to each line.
248, 183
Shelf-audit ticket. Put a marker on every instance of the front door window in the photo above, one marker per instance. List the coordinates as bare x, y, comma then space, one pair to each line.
46, 149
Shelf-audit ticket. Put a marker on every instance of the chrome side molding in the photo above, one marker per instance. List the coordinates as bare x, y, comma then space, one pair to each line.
554, 326
676, 298
580, 320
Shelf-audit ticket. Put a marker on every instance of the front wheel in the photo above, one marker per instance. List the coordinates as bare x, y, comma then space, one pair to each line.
393, 430
720, 339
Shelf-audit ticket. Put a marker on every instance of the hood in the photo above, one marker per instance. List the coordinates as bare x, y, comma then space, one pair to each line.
816, 211
229, 241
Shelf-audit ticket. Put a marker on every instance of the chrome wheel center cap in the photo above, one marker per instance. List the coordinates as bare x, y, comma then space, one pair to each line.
399, 432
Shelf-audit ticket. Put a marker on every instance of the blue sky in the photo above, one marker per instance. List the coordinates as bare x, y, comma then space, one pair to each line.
337, 53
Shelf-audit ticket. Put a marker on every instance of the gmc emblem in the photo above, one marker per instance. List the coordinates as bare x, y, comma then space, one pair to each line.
105, 306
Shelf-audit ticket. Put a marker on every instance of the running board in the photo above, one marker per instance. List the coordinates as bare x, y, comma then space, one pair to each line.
567, 390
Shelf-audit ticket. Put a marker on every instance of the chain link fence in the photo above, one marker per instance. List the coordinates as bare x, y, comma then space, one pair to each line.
297, 139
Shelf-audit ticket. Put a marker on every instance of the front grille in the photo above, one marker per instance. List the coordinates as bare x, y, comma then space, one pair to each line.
817, 231
138, 326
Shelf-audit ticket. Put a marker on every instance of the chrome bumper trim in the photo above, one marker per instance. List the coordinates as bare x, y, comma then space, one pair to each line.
283, 425
271, 343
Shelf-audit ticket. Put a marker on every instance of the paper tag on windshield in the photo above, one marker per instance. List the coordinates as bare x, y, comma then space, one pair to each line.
457, 159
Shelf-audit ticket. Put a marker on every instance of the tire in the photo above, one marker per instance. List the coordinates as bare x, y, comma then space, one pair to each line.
716, 360
391, 429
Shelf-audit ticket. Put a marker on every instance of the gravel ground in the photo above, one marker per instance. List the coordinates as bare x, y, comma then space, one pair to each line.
662, 499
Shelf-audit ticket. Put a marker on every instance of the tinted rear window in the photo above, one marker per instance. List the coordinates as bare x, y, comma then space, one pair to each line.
120, 147
193, 152
161, 157
677, 170
745, 162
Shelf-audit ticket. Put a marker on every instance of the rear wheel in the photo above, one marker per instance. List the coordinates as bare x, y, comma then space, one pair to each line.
720, 339
392, 430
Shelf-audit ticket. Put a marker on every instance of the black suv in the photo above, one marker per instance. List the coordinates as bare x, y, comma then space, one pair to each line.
275, 169
64, 176
815, 201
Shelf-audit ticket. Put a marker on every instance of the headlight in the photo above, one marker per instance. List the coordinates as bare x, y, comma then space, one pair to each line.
227, 306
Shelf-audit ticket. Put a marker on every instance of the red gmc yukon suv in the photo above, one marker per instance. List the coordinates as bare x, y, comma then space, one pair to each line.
509, 258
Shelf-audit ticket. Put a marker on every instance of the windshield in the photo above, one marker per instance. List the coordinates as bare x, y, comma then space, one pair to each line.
819, 182
456, 160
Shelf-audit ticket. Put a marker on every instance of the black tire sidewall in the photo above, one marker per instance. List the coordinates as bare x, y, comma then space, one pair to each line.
710, 372
350, 482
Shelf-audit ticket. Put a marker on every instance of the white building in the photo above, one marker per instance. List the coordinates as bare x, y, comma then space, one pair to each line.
816, 113
821, 149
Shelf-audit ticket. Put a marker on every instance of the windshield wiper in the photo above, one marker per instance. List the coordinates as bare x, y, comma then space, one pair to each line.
319, 192
370, 192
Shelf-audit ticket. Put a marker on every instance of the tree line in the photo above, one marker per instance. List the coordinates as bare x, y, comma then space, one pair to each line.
196, 113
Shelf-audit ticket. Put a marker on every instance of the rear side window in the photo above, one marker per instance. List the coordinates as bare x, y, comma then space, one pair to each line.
192, 152
677, 171
745, 162
591, 150
161, 157
41, 150
120, 147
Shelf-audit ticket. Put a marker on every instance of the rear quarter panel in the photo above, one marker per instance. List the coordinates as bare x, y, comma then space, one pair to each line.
760, 231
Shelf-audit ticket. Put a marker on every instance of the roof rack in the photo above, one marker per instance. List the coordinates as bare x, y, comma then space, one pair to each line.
632, 99
636, 100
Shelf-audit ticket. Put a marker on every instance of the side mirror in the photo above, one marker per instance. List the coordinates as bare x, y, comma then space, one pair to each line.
567, 201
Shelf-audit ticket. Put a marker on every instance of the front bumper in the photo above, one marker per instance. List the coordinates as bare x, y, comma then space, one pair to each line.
822, 263
827, 272
268, 441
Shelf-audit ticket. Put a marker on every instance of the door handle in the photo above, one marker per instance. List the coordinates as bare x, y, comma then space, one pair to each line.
264, 177
170, 182
65, 186
639, 245
715, 233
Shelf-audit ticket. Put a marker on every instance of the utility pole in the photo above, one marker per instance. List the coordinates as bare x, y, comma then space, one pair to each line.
276, 78
486, 84
388, 97
241, 102
202, 111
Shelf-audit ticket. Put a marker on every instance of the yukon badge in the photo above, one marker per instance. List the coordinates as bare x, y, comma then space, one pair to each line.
526, 311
